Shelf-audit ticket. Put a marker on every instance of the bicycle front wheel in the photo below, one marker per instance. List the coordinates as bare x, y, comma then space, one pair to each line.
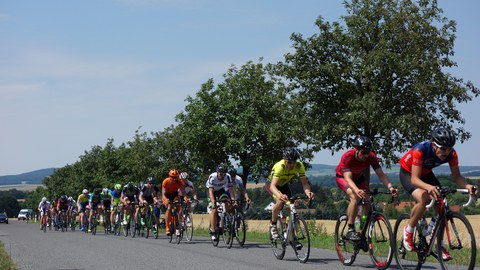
406, 260
240, 230
345, 248
278, 244
301, 240
459, 241
380, 241
188, 225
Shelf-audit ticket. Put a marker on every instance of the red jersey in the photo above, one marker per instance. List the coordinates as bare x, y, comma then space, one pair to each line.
423, 155
171, 186
348, 163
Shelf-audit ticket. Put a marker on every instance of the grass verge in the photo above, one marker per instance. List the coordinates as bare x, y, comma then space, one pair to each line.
6, 262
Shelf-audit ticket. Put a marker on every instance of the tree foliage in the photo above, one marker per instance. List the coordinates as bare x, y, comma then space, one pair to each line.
382, 73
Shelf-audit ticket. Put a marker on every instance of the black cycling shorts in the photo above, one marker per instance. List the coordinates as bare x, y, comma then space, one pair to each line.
406, 180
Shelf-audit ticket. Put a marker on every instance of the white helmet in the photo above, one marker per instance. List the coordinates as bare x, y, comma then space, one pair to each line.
85, 191
70, 198
184, 175
44, 199
105, 191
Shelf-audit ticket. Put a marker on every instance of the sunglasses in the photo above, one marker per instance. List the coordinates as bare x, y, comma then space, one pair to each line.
291, 161
364, 152
442, 148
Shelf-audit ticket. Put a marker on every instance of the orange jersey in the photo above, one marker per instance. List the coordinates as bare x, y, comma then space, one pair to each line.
171, 186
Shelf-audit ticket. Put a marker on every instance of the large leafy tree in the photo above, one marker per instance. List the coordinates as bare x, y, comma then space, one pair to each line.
247, 118
382, 73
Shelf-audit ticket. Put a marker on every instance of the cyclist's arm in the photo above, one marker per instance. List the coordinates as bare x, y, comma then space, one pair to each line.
275, 191
351, 184
306, 187
384, 178
459, 180
416, 181
232, 192
212, 196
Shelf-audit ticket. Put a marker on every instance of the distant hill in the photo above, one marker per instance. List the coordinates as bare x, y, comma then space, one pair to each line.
35, 177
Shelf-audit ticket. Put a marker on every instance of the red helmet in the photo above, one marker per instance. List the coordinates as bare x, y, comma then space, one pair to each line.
174, 173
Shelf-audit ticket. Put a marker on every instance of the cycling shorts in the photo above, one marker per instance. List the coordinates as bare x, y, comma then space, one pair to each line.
285, 189
361, 183
406, 180
83, 207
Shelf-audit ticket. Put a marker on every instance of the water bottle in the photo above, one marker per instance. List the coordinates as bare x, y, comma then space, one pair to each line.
423, 226
431, 225
358, 219
363, 218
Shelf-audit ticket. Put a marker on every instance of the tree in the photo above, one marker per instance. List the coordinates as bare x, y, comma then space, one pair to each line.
383, 74
247, 118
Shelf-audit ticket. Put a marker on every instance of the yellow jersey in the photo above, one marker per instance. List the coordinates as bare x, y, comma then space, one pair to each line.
284, 175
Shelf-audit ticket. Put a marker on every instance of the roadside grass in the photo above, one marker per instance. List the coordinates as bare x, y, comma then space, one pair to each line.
6, 262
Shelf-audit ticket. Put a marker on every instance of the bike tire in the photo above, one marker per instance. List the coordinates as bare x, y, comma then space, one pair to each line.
230, 230
279, 246
458, 238
406, 260
240, 229
178, 228
346, 250
188, 225
380, 241
301, 236
133, 225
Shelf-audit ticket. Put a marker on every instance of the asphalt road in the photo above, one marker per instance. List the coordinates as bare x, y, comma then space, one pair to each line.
32, 249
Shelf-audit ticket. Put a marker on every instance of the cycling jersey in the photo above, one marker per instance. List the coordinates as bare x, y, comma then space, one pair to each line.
189, 188
83, 198
349, 163
116, 194
63, 204
423, 155
44, 206
106, 199
237, 183
284, 175
148, 192
95, 199
130, 194
217, 184
171, 186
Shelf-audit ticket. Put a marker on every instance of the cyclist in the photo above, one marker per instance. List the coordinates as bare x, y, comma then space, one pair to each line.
95, 203
240, 189
170, 192
216, 184
44, 209
149, 195
116, 195
188, 190
129, 195
82, 203
353, 178
53, 213
107, 202
62, 206
71, 208
418, 179
277, 185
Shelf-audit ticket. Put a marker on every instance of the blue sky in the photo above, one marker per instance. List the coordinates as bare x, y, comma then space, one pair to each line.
75, 73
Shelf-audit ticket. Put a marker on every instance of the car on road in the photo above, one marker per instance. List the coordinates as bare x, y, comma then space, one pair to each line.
3, 218
24, 213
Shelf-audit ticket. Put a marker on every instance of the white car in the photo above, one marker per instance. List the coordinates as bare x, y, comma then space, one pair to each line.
23, 214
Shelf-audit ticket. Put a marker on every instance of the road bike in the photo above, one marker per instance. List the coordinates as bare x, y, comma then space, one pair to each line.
106, 220
72, 217
117, 225
187, 219
130, 227
375, 237
94, 222
62, 220
175, 222
234, 226
151, 221
452, 232
293, 231
223, 221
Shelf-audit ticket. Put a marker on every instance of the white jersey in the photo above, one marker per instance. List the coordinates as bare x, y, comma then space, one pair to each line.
189, 188
44, 205
237, 182
217, 184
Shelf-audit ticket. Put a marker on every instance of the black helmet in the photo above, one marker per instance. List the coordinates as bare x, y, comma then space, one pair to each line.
221, 168
63, 197
130, 186
232, 171
290, 154
362, 143
96, 191
443, 137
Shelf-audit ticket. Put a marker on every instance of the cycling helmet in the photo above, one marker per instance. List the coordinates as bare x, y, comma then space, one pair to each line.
70, 199
183, 175
118, 187
232, 171
221, 168
290, 154
63, 197
443, 137
362, 143
174, 173
130, 186
85, 191
44, 199
105, 191
150, 179
96, 191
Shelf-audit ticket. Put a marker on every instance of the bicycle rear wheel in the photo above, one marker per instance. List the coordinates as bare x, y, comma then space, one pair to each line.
240, 229
345, 248
459, 240
380, 241
178, 228
133, 227
279, 245
301, 240
188, 225
406, 260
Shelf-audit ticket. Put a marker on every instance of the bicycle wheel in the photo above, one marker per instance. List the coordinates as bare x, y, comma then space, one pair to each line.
459, 240
345, 248
133, 225
126, 227
279, 245
178, 228
188, 225
105, 224
240, 229
148, 225
380, 241
406, 259
230, 230
61, 221
94, 225
172, 227
300, 239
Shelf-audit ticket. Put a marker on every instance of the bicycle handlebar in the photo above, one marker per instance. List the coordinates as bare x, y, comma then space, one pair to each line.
445, 190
